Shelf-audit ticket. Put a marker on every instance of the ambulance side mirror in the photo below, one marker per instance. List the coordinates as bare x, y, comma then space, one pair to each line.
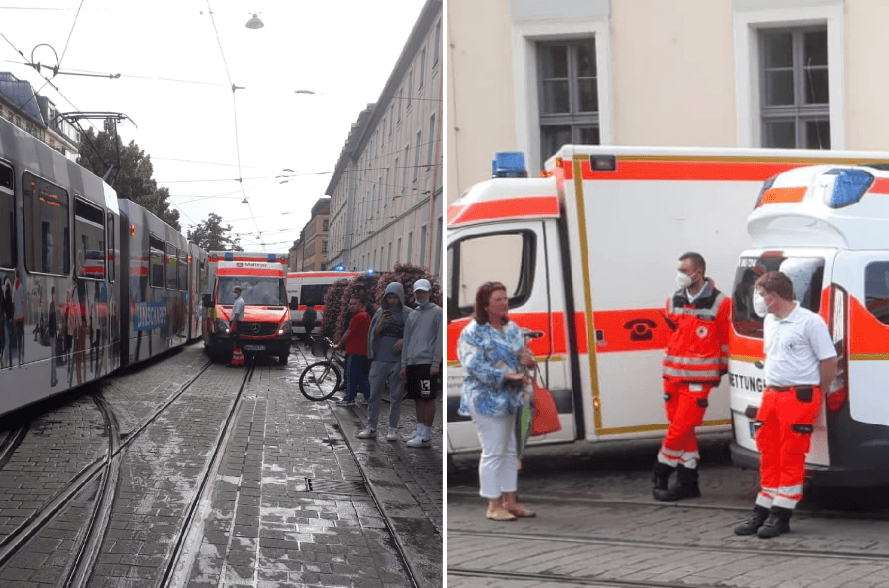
294, 302
208, 300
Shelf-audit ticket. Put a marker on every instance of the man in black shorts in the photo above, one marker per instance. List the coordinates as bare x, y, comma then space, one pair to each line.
421, 361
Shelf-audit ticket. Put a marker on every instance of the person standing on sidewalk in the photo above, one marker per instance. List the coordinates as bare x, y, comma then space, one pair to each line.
696, 357
492, 351
421, 361
309, 318
384, 345
801, 363
237, 317
355, 340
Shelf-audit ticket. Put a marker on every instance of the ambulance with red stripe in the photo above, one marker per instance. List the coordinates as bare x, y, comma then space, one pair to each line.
588, 254
310, 288
266, 327
827, 228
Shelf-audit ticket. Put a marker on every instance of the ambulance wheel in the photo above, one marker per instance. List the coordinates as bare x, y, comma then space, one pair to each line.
282, 359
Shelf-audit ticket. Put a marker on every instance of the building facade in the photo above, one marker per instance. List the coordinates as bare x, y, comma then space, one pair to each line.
36, 115
386, 191
309, 252
531, 76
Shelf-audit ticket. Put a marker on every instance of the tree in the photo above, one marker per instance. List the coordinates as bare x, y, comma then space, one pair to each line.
406, 274
210, 235
132, 180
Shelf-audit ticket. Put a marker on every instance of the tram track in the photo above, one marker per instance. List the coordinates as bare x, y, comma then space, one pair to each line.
535, 579
103, 472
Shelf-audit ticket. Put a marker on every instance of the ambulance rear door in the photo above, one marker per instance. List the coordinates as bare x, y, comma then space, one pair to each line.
525, 257
858, 429
810, 271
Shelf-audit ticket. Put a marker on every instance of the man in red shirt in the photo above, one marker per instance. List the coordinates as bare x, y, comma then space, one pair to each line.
355, 339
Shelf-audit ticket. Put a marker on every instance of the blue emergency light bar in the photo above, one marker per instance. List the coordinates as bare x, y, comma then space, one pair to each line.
509, 164
229, 256
849, 187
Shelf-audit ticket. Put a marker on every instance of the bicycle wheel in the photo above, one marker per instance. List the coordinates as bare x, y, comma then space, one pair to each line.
320, 380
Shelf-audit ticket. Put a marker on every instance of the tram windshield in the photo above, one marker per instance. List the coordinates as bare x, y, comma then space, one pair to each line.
260, 291
806, 273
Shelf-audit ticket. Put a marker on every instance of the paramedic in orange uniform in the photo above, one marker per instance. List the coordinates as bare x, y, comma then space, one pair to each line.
800, 364
696, 358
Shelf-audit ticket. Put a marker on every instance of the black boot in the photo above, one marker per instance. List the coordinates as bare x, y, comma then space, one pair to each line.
752, 525
686, 486
660, 477
777, 523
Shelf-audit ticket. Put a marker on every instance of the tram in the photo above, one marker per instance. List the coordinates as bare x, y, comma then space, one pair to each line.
88, 283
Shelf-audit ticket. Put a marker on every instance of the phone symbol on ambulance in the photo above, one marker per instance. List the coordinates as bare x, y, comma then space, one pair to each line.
640, 329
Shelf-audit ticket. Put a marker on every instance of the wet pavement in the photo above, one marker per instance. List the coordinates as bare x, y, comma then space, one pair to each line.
598, 525
208, 490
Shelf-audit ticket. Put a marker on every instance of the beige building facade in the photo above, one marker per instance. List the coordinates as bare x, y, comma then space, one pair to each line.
387, 188
529, 76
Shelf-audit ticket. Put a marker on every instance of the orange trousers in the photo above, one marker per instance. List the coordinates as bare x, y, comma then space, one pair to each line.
686, 403
783, 437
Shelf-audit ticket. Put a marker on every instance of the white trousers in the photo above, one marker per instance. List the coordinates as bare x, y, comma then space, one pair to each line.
497, 467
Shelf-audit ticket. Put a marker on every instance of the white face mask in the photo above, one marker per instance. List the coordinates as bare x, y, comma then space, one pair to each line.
682, 280
759, 304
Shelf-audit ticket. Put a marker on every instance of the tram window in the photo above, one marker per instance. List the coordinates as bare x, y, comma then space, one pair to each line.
806, 273
112, 254
876, 290
183, 270
515, 253
170, 262
46, 226
7, 218
89, 241
156, 261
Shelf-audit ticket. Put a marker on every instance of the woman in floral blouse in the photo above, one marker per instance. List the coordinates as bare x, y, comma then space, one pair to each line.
492, 351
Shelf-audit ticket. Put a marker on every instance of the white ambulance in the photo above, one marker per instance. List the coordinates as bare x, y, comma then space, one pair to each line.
266, 326
827, 228
310, 288
588, 254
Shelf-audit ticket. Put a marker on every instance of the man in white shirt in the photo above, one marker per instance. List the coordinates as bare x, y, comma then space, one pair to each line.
237, 317
800, 365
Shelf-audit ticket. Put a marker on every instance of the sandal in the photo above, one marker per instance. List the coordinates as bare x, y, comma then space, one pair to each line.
500, 514
522, 512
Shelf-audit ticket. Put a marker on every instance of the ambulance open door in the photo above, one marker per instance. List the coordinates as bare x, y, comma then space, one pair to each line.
524, 256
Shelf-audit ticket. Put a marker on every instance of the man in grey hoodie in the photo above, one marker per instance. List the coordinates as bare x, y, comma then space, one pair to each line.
384, 346
421, 361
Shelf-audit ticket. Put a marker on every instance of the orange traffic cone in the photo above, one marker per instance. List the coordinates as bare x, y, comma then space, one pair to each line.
237, 357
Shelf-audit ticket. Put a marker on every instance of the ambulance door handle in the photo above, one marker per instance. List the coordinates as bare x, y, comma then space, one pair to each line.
532, 334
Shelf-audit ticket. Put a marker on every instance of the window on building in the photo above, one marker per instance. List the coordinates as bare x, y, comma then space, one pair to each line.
382, 135
417, 156
423, 246
410, 246
395, 177
430, 149
386, 201
8, 257
437, 245
436, 50
407, 149
422, 69
46, 226
156, 261
382, 192
323, 246
398, 251
568, 90
391, 120
89, 240
410, 88
795, 104
389, 256
400, 90
326, 225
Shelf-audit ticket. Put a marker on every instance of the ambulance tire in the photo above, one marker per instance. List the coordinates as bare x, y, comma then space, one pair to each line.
282, 359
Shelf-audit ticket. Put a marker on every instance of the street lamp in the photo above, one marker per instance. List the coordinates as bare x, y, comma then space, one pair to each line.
254, 23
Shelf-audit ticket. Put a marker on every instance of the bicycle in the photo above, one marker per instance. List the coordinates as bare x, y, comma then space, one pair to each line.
321, 380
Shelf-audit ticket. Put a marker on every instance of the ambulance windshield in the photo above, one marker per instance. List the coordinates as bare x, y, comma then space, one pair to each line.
260, 291
807, 274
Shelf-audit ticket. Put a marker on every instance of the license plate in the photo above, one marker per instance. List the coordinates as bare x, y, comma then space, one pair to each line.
254, 347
